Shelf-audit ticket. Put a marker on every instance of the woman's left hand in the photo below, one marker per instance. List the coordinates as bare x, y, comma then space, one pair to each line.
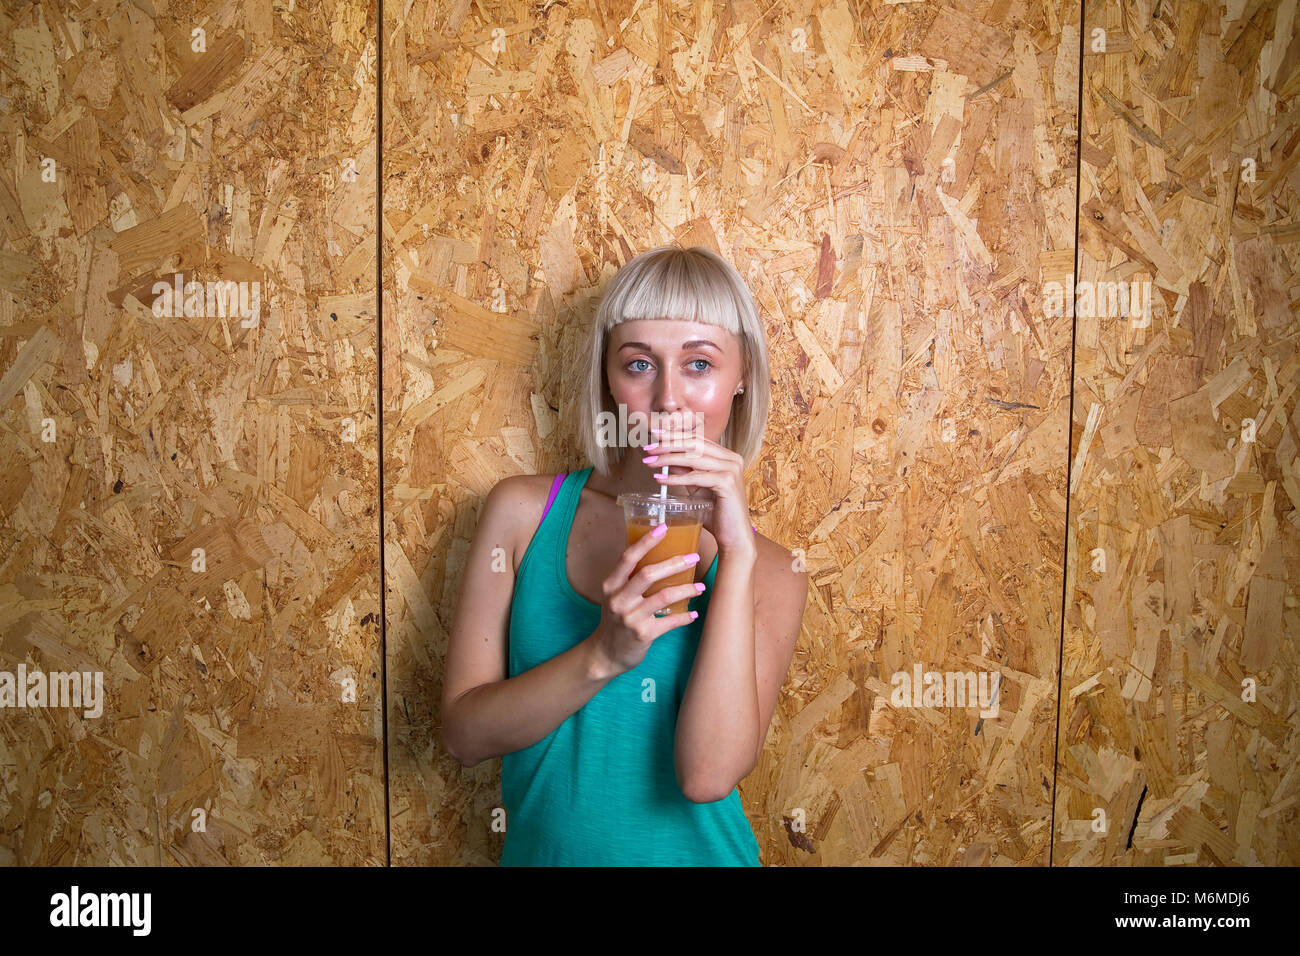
714, 467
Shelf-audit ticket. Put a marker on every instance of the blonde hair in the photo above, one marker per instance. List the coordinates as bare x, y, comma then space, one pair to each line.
687, 285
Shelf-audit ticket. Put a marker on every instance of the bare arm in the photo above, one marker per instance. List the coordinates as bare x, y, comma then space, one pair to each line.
509, 715
717, 723
484, 714
749, 635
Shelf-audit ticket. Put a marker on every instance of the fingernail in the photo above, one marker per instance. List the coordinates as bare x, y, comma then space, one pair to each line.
651, 459
660, 530
691, 558
694, 615
653, 444
699, 588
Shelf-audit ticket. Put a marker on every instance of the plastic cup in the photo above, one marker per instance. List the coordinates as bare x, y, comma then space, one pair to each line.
642, 514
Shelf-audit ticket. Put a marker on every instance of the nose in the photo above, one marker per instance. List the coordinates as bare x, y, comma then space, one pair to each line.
669, 391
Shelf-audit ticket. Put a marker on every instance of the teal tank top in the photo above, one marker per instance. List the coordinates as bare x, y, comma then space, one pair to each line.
600, 789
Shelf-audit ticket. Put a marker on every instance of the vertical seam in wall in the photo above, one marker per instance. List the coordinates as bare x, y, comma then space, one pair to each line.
1069, 443
379, 407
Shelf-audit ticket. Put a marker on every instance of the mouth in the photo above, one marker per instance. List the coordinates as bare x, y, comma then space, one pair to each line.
680, 421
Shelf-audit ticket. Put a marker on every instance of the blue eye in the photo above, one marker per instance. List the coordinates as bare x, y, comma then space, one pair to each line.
708, 365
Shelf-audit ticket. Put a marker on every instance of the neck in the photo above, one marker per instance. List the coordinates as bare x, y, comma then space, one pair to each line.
628, 476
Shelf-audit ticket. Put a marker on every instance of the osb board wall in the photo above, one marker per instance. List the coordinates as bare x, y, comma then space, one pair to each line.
896, 182
1178, 704
142, 436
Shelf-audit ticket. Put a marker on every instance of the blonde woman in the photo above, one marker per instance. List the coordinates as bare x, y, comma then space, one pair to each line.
623, 735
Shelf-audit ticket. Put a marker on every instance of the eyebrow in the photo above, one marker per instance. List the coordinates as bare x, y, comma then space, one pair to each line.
686, 346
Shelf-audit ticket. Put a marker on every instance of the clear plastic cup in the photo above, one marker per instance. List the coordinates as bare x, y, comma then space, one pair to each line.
685, 519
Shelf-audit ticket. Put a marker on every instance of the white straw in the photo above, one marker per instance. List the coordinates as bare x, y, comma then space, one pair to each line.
663, 493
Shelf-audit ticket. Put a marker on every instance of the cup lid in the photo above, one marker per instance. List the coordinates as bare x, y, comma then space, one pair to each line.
649, 502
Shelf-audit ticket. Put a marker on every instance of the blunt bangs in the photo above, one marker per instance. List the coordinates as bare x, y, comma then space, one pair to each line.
683, 287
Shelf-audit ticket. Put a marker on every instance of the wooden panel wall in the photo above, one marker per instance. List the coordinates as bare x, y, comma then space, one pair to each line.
1178, 710
895, 181
132, 437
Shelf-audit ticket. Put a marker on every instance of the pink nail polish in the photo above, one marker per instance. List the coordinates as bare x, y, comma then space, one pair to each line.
691, 558
699, 587
660, 530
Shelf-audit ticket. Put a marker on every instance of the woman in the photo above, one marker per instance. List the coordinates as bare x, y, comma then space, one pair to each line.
623, 735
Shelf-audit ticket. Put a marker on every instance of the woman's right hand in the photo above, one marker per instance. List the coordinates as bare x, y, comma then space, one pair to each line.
627, 623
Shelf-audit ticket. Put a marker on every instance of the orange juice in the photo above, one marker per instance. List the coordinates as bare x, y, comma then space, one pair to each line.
682, 537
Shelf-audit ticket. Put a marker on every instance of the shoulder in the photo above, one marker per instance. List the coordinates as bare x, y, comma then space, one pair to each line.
775, 574
516, 504
518, 489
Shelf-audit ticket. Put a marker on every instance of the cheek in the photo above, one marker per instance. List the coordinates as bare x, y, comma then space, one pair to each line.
712, 400
711, 395
619, 381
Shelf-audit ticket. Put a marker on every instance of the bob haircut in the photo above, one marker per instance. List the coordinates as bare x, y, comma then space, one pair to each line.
689, 285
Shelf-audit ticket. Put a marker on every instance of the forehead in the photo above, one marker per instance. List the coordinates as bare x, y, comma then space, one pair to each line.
669, 334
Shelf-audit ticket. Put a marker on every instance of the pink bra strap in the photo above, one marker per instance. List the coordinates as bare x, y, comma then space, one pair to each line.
555, 490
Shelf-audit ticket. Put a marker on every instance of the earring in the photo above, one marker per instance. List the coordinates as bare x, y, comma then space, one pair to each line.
739, 390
